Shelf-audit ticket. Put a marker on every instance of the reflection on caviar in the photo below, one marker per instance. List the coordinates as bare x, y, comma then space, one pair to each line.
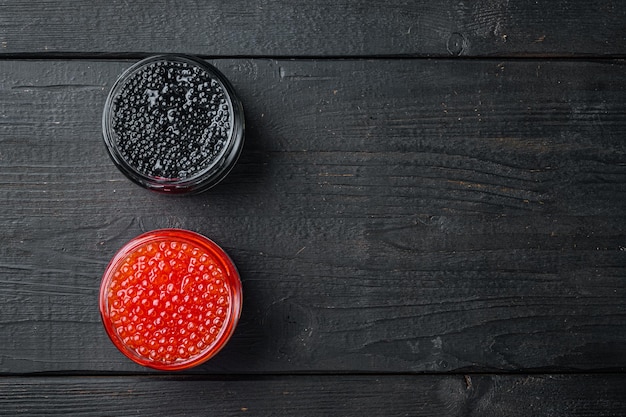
168, 301
171, 119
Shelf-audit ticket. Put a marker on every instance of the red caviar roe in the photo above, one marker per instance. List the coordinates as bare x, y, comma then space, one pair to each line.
170, 299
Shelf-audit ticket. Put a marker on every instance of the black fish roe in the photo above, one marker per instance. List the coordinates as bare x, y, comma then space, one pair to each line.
171, 120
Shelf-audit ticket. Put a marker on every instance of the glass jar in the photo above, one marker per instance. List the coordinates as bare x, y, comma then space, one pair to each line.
173, 124
170, 299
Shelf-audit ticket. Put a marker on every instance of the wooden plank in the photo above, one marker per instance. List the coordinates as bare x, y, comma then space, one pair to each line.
316, 28
386, 215
485, 396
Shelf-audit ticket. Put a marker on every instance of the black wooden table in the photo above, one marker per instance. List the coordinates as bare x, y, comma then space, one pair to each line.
429, 215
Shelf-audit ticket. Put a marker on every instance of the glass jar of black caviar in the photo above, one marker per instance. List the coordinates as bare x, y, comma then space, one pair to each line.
173, 124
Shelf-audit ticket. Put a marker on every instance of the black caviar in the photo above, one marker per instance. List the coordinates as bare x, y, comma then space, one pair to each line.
169, 120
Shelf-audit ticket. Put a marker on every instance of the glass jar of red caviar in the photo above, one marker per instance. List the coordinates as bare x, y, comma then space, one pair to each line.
170, 299
173, 124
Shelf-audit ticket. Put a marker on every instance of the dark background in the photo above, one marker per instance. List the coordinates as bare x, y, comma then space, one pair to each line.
428, 215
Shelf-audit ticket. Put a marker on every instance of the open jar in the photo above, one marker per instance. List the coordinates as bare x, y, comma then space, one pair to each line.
170, 299
173, 124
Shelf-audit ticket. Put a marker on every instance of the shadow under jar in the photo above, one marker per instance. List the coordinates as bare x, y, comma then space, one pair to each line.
173, 124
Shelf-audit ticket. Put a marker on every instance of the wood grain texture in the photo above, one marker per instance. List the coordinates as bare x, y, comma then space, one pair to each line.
440, 396
386, 215
315, 28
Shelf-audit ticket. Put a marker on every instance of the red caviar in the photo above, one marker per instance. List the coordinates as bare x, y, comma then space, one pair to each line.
170, 299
